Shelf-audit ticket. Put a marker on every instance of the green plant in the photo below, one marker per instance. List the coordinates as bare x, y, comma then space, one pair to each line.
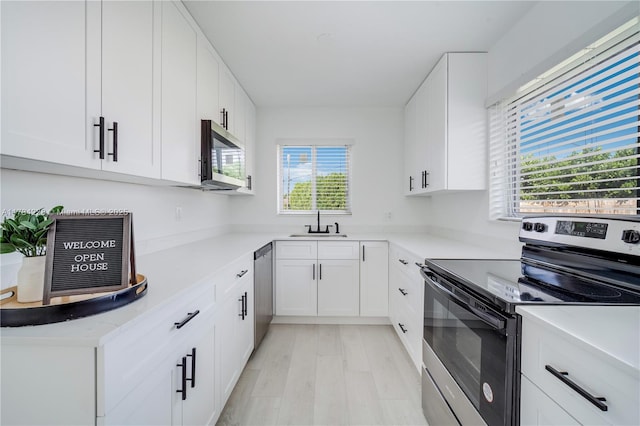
26, 232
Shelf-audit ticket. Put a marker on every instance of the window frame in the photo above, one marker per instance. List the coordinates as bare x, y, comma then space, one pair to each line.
505, 143
314, 145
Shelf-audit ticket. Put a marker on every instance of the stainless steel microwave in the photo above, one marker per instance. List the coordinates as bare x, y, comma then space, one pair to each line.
222, 162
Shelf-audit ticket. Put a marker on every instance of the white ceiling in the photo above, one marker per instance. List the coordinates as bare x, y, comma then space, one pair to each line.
345, 53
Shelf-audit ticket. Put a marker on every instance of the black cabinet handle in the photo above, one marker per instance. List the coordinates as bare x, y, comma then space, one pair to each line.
241, 300
241, 273
101, 149
403, 291
114, 129
246, 304
320, 272
183, 366
314, 271
189, 317
223, 118
598, 401
426, 179
423, 179
404, 262
410, 183
419, 265
226, 119
363, 258
193, 368
249, 183
404, 330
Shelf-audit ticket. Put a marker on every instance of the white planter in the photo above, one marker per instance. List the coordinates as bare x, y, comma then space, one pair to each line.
31, 279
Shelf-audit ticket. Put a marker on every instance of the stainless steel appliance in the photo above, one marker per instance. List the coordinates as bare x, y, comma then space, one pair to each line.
471, 345
222, 162
263, 291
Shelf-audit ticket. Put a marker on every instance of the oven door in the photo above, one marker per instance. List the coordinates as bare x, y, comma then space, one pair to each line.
476, 345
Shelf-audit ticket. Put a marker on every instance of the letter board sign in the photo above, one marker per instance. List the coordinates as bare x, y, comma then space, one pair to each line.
88, 254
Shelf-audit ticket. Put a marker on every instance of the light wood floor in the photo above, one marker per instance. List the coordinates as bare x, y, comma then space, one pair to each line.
327, 375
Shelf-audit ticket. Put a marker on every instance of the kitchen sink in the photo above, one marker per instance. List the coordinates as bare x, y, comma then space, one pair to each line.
321, 235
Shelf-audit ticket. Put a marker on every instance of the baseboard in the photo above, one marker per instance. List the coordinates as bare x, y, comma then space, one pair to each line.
330, 320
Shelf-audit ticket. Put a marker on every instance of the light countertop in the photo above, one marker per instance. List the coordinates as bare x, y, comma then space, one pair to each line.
612, 330
179, 269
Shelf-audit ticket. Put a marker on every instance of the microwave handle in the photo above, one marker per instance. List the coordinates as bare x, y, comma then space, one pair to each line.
493, 321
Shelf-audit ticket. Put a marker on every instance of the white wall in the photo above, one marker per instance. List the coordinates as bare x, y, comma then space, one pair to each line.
377, 164
550, 32
154, 208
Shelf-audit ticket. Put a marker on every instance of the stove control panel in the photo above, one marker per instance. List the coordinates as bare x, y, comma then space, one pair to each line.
620, 235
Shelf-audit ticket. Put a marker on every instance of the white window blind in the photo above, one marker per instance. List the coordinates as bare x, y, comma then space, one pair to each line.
314, 177
568, 142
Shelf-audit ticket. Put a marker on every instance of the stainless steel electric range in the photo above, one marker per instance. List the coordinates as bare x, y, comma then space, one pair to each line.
471, 338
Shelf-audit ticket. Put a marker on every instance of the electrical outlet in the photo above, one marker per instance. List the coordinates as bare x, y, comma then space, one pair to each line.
178, 213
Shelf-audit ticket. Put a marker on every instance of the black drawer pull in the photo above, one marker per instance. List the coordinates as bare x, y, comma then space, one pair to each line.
183, 366
598, 401
403, 291
115, 141
404, 330
404, 262
189, 317
242, 301
241, 274
193, 367
419, 265
100, 150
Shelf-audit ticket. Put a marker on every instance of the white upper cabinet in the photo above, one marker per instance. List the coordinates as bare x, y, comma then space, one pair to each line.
227, 98
65, 65
44, 79
180, 138
445, 126
128, 79
208, 75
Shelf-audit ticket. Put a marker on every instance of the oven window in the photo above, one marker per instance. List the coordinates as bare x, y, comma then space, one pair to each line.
472, 351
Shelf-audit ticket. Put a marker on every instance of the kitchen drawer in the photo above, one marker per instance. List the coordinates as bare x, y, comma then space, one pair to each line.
229, 278
297, 249
131, 356
411, 336
405, 261
590, 369
410, 293
337, 250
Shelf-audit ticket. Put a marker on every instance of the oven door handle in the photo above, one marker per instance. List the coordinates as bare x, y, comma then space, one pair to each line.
497, 323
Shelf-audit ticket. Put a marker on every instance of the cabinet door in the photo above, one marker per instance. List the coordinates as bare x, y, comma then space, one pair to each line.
201, 406
228, 319
226, 89
436, 127
127, 87
420, 153
150, 407
45, 78
374, 278
410, 167
245, 335
208, 74
338, 288
296, 289
180, 144
537, 409
250, 144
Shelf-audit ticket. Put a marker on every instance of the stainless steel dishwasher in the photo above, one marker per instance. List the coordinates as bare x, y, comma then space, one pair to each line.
263, 291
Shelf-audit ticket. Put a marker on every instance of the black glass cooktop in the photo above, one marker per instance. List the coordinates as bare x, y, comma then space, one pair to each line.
512, 282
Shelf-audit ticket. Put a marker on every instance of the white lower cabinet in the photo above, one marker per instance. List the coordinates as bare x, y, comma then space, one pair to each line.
406, 301
583, 379
296, 287
235, 337
374, 278
176, 365
338, 288
539, 409
317, 278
